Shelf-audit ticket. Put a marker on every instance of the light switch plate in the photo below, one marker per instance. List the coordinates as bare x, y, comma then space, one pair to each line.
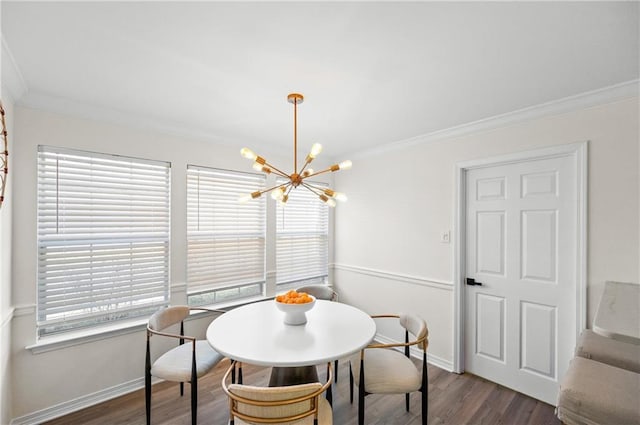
445, 237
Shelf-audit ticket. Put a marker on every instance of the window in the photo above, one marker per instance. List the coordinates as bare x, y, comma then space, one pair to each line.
225, 239
302, 239
103, 238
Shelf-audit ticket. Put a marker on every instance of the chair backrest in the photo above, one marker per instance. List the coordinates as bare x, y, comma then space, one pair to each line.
321, 292
286, 404
281, 405
168, 316
416, 327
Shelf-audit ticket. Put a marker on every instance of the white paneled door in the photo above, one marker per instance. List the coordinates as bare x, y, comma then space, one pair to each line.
520, 317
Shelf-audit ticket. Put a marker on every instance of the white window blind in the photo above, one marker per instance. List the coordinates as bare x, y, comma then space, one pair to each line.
225, 238
302, 238
103, 238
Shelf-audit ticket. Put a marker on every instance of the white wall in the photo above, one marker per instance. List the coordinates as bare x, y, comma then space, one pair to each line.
388, 253
389, 256
6, 309
40, 381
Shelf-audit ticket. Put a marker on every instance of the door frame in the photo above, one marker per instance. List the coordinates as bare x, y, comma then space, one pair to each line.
576, 151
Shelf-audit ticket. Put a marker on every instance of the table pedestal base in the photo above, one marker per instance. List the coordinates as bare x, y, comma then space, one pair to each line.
283, 376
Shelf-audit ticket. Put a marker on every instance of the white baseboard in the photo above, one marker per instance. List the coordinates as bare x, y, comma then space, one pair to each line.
415, 352
74, 405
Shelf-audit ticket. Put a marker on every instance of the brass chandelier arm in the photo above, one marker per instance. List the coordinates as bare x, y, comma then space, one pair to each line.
321, 172
278, 172
297, 177
260, 192
307, 162
313, 189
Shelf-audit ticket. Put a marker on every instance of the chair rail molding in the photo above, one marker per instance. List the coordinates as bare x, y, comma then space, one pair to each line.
414, 280
24, 310
7, 317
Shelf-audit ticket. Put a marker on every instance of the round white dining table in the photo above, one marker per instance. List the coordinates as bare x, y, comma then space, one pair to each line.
256, 334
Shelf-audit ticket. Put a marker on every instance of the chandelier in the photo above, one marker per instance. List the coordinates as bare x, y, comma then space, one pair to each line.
298, 178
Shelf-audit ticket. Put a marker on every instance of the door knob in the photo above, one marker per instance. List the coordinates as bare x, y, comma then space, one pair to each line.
472, 282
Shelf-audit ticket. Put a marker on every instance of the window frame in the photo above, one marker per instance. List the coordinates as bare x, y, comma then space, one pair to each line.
93, 193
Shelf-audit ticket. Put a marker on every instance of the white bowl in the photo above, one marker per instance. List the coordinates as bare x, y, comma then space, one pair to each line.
294, 314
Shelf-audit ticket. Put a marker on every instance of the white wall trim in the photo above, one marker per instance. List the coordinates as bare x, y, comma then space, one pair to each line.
417, 353
12, 79
414, 280
178, 287
24, 310
7, 318
555, 107
576, 150
82, 402
47, 344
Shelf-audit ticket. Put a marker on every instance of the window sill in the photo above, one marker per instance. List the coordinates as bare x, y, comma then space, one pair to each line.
53, 343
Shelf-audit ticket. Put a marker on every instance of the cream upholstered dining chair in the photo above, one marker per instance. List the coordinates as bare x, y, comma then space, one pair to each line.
322, 292
300, 404
383, 370
185, 363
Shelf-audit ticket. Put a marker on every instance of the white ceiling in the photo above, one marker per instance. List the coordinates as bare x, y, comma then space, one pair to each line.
372, 73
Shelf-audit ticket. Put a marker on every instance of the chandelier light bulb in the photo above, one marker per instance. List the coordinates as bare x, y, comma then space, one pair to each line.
327, 200
307, 172
260, 167
315, 150
278, 194
248, 153
244, 198
345, 165
340, 196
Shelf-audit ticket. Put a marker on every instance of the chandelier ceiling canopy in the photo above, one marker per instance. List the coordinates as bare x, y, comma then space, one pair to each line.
298, 178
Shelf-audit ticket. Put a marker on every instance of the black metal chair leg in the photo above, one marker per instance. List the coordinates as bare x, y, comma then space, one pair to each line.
194, 389
336, 371
181, 389
425, 390
425, 407
361, 395
406, 401
194, 402
147, 384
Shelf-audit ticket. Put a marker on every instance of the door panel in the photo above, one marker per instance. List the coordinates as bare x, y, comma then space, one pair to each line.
490, 322
520, 243
539, 252
490, 229
538, 338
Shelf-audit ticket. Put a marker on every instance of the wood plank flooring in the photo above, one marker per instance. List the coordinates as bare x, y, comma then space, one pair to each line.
453, 399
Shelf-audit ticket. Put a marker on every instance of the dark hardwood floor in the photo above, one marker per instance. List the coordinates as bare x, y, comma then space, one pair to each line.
453, 399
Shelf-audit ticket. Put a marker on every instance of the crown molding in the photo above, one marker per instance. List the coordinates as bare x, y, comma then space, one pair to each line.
584, 100
12, 80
